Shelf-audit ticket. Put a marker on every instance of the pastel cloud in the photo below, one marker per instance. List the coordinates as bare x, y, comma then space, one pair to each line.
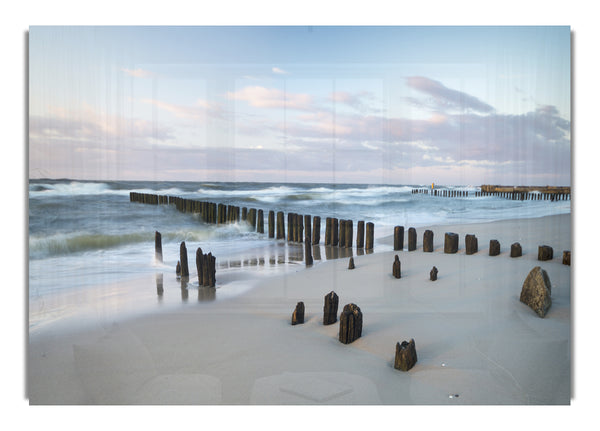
279, 71
358, 101
200, 111
261, 97
138, 73
447, 98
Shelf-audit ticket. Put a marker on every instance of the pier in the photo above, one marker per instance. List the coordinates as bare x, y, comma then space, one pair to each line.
519, 193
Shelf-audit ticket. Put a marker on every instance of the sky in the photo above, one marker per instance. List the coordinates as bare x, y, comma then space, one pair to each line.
379, 105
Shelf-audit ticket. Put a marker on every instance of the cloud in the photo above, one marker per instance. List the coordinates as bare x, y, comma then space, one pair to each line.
447, 98
138, 73
261, 97
198, 112
88, 125
358, 101
279, 71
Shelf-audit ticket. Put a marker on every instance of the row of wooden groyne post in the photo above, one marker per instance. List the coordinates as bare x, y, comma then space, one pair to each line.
519, 193
338, 232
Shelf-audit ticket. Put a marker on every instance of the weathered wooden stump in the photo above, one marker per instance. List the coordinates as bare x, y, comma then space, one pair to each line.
566, 258
428, 241
342, 234
370, 234
290, 227
360, 234
516, 250
398, 238
178, 268
299, 228
330, 308
199, 266
260, 222
433, 274
351, 263
298, 314
252, 218
412, 239
545, 252
271, 224
185, 271
158, 246
349, 232
308, 259
450, 242
334, 232
396, 267
316, 230
536, 291
280, 225
494, 247
351, 320
406, 355
212, 279
471, 246
328, 225
307, 229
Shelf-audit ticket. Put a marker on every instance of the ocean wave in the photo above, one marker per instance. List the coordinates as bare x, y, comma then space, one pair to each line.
58, 244
62, 244
73, 188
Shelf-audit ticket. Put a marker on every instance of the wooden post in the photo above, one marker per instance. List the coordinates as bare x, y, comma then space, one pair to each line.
328, 225
271, 224
471, 244
545, 252
185, 271
451, 242
158, 247
298, 314
334, 232
260, 222
351, 263
342, 234
299, 228
280, 225
398, 238
316, 231
360, 234
406, 355
428, 241
494, 247
412, 239
350, 324
396, 267
199, 268
349, 229
330, 308
252, 218
516, 250
433, 274
307, 228
370, 234
290, 226
212, 270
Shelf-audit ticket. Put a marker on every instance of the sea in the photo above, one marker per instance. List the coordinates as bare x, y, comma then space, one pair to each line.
87, 240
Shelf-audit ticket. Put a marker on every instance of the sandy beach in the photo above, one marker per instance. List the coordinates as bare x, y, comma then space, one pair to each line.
476, 342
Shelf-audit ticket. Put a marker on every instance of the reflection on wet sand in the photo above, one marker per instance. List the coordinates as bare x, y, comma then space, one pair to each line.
272, 255
159, 285
206, 294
